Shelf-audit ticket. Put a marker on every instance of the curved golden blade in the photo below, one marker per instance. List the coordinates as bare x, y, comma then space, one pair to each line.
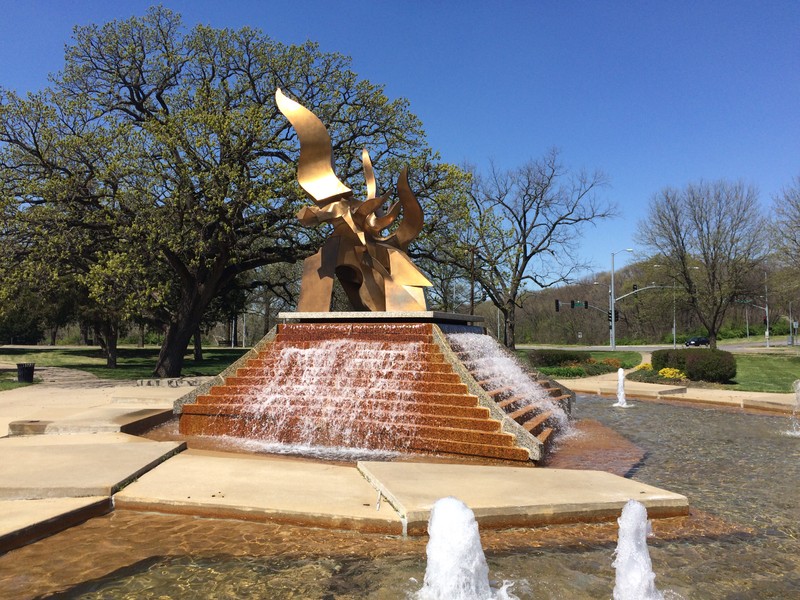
367, 209
378, 224
315, 166
412, 213
369, 174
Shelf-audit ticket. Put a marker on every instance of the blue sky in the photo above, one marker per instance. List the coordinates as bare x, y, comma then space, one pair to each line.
652, 93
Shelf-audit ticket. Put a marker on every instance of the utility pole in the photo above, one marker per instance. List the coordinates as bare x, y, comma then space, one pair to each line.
611, 301
766, 307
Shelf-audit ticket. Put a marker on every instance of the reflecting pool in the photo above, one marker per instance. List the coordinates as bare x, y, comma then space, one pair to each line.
740, 472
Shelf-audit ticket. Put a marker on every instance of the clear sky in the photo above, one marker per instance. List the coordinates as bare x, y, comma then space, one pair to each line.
653, 93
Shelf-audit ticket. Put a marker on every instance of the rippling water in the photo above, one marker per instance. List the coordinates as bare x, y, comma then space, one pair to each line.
742, 468
739, 467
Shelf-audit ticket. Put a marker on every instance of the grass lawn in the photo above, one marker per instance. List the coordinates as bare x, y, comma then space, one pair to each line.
765, 372
627, 358
8, 380
132, 363
774, 373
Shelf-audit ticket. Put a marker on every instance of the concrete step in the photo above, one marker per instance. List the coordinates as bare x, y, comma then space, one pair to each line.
434, 387
398, 338
372, 434
423, 401
276, 364
380, 413
459, 408
254, 375
544, 436
470, 449
366, 349
508, 402
536, 421
524, 413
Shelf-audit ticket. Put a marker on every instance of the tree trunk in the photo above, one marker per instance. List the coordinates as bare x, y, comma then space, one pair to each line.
198, 346
141, 336
170, 358
112, 334
509, 332
53, 333
180, 332
107, 333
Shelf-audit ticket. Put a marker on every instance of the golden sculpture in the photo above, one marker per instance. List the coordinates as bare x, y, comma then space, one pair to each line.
374, 270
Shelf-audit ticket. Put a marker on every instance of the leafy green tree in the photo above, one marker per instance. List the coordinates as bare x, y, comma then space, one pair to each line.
163, 153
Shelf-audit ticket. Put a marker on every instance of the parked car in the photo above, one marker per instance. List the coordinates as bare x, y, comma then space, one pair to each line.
697, 341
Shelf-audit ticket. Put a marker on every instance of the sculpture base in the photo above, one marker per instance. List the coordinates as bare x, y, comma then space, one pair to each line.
429, 316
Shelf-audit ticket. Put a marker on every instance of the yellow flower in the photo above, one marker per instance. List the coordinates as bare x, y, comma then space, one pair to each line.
670, 373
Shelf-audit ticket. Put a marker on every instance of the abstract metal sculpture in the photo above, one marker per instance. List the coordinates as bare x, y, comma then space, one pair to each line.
374, 270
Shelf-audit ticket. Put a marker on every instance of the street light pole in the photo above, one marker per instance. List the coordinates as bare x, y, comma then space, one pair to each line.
766, 306
674, 323
612, 301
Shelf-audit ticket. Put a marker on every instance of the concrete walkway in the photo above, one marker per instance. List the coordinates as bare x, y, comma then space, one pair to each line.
69, 459
606, 385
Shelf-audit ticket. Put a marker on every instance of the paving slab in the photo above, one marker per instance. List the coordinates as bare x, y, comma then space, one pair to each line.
228, 485
606, 385
99, 419
35, 467
54, 403
514, 496
25, 521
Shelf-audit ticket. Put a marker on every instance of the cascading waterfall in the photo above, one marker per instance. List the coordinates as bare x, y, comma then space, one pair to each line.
490, 362
331, 386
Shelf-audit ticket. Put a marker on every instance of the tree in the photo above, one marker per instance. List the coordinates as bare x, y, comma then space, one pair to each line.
523, 226
710, 236
166, 150
786, 228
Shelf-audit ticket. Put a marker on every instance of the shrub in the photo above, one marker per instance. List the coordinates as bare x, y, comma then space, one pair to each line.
598, 369
612, 362
556, 358
563, 371
645, 376
644, 367
675, 359
710, 365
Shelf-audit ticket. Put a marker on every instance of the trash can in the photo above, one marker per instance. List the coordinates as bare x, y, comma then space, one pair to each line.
25, 372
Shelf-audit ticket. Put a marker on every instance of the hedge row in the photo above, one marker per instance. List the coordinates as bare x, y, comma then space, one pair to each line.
699, 364
556, 358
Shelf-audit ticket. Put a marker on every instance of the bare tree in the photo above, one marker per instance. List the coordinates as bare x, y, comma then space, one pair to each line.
711, 236
521, 229
787, 227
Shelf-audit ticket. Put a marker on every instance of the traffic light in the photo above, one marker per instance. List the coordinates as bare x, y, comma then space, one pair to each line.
557, 309
572, 303
616, 315
585, 304
635, 287
609, 316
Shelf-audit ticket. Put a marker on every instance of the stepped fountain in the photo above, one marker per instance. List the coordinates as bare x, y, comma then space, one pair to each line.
389, 375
